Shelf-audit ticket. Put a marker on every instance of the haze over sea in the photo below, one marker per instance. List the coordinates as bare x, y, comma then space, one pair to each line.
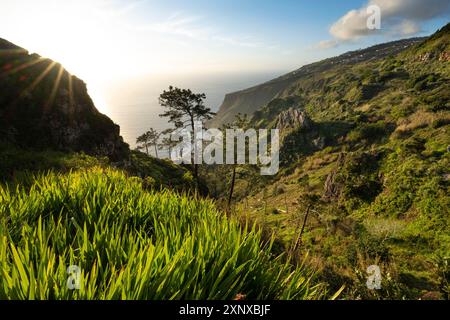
133, 103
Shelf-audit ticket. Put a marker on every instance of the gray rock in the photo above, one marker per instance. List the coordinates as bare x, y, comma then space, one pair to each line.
293, 119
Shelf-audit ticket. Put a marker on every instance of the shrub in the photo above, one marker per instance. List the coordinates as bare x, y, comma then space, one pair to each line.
421, 119
438, 123
401, 111
278, 190
368, 132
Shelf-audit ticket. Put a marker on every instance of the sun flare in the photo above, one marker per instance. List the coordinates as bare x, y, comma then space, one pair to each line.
87, 37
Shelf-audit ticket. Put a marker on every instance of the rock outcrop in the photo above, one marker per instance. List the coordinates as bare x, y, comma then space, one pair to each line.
444, 56
42, 106
293, 118
332, 189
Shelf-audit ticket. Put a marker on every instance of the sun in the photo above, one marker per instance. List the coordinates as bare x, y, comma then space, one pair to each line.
88, 37
77, 35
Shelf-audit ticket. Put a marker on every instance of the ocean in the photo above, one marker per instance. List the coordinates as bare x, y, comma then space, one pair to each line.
133, 103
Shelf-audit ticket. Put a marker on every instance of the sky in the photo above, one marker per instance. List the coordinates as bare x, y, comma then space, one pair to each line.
114, 40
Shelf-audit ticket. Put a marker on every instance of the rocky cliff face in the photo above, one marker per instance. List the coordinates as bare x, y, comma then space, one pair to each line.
42, 106
293, 118
247, 101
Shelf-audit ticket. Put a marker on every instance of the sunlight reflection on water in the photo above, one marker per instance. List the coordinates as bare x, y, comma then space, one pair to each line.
134, 104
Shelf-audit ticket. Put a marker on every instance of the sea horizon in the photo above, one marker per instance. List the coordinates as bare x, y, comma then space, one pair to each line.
133, 103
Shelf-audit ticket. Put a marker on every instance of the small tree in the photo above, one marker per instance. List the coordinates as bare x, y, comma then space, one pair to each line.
167, 142
183, 108
240, 122
310, 201
142, 143
147, 140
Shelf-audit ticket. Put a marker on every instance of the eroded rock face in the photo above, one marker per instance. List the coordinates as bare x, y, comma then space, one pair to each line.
299, 135
424, 57
332, 189
444, 56
293, 118
43, 106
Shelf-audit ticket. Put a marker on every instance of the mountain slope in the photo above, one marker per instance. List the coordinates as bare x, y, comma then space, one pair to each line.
42, 106
373, 167
250, 100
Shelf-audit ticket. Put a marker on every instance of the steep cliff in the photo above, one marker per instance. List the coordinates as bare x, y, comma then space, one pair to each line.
42, 106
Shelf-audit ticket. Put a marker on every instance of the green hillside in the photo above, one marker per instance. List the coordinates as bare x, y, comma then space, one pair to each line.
253, 99
364, 180
375, 161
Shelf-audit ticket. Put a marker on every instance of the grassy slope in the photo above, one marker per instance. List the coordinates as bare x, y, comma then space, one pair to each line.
392, 206
131, 244
16, 163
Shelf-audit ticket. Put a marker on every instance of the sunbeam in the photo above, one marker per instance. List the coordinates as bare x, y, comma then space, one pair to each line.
51, 99
22, 67
37, 80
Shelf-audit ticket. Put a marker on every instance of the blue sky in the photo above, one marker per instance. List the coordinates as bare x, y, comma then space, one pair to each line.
105, 39
285, 34
127, 51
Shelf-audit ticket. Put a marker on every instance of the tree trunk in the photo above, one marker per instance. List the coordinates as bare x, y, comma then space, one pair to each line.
286, 203
194, 142
156, 151
146, 149
233, 181
299, 238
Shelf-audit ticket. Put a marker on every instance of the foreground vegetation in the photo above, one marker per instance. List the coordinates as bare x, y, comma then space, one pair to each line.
131, 244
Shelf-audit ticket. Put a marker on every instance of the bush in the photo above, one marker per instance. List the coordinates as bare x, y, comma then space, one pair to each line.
358, 179
401, 111
278, 190
368, 132
438, 123
14, 161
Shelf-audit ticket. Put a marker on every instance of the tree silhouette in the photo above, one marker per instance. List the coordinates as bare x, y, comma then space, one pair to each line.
183, 108
167, 142
149, 139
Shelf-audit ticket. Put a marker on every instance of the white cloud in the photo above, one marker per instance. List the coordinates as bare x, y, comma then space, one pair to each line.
238, 41
180, 25
195, 28
398, 18
326, 44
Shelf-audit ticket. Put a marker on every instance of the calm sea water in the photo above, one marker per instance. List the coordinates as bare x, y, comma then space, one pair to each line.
133, 104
